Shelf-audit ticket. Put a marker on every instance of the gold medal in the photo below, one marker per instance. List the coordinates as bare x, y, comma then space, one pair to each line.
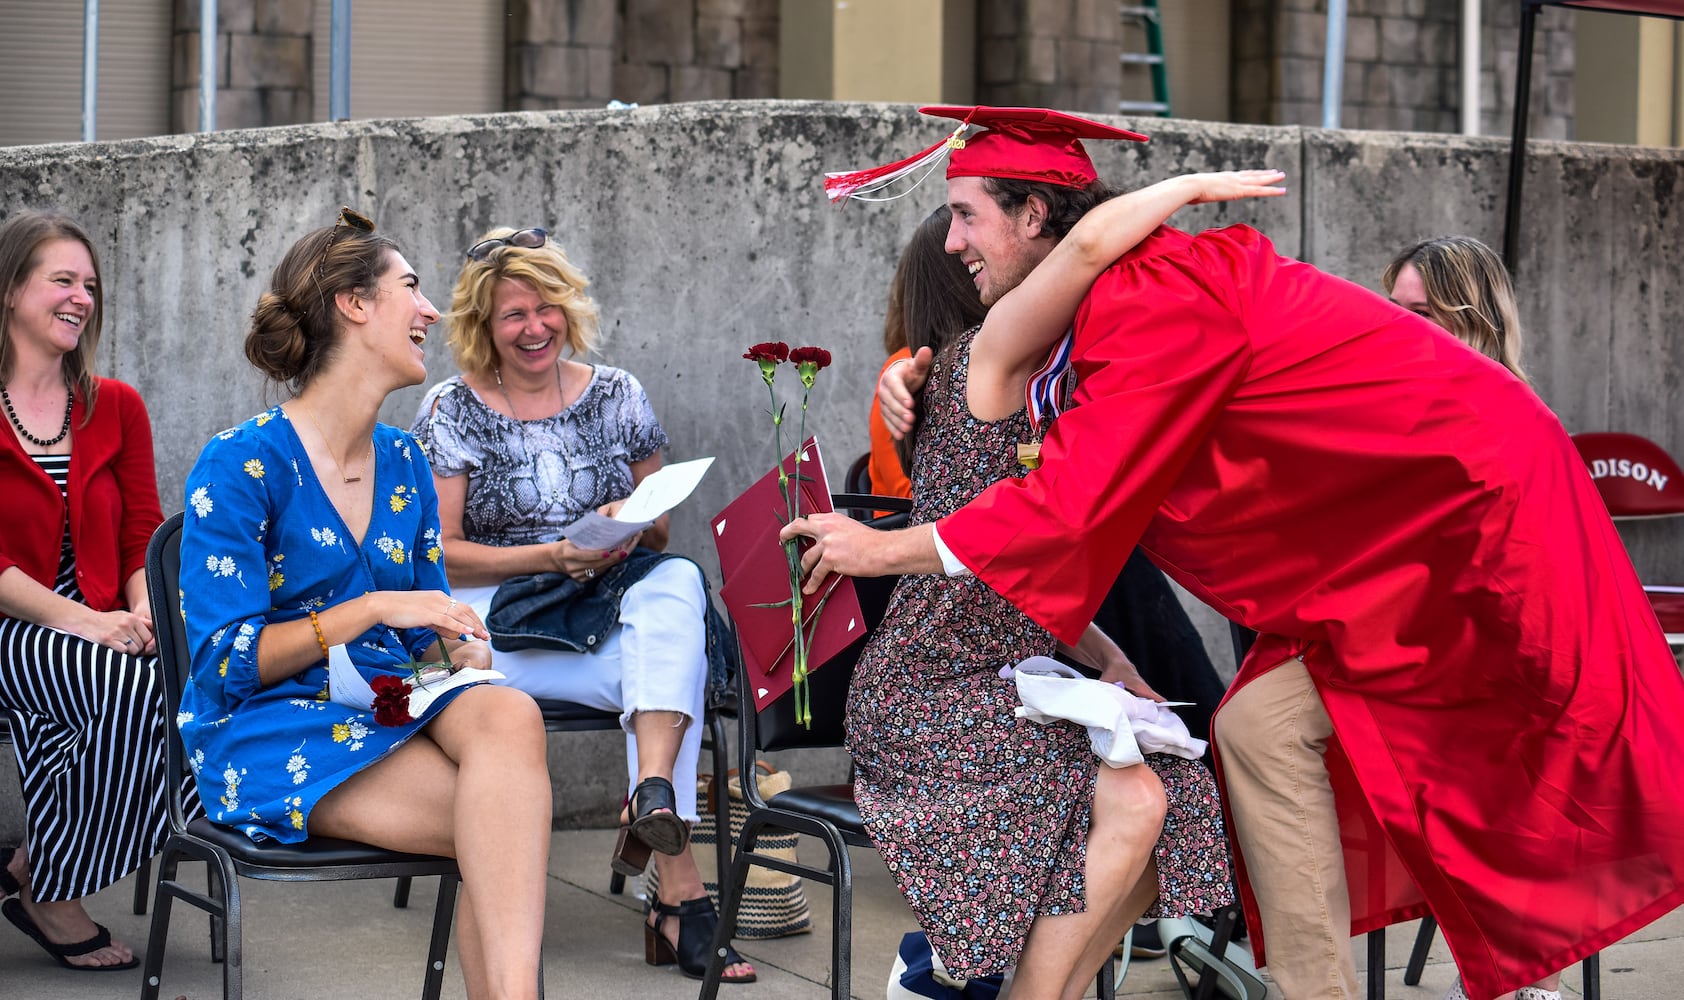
1029, 454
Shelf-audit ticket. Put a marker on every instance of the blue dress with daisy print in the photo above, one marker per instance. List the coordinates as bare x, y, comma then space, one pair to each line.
263, 544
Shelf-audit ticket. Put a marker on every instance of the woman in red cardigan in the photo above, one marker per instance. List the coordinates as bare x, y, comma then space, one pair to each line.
78, 678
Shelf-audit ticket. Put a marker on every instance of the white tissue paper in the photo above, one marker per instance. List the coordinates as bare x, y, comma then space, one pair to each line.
1122, 727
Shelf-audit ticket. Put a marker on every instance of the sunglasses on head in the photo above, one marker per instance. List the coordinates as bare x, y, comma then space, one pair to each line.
530, 239
350, 220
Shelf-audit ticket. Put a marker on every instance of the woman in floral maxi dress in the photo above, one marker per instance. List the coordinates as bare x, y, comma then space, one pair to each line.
983, 817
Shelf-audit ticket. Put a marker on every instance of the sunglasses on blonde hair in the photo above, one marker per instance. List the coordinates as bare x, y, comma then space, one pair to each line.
528, 239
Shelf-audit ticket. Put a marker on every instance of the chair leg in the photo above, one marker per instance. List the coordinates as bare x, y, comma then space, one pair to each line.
151, 972
444, 913
233, 934
1418, 954
142, 886
1377, 964
721, 801
732, 878
842, 919
1592, 985
218, 933
1105, 984
400, 895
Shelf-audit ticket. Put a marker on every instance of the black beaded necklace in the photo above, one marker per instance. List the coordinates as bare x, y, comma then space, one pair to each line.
69, 401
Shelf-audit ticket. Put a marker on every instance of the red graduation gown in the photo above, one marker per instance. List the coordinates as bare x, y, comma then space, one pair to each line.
1364, 490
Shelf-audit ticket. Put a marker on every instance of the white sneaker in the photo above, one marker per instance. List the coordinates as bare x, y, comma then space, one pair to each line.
1525, 992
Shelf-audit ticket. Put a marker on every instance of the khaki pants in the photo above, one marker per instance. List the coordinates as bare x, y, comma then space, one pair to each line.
1272, 734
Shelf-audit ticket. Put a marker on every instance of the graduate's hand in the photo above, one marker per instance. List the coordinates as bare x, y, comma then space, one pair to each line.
840, 545
1232, 185
895, 388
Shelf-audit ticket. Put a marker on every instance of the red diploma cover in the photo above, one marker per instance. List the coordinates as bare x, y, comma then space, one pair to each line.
756, 572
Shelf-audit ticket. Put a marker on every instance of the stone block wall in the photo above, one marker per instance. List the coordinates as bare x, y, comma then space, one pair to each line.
263, 63
582, 53
1402, 68
1050, 53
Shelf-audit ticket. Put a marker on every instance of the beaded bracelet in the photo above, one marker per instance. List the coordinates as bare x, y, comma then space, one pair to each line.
321, 640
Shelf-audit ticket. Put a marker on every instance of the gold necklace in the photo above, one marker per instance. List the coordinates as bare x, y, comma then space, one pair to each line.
498, 372
337, 464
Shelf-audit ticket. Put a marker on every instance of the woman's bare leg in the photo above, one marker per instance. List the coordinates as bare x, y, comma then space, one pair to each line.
474, 786
1127, 817
659, 735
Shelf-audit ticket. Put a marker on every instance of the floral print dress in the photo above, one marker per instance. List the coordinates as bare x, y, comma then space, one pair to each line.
982, 817
262, 543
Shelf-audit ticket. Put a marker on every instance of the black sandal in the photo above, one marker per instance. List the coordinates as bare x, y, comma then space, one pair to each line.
9, 885
697, 922
62, 953
655, 826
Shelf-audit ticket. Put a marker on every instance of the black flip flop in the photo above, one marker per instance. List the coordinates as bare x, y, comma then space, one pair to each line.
14, 911
8, 883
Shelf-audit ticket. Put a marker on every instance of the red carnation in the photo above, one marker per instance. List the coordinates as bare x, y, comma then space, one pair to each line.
776, 352
391, 700
818, 357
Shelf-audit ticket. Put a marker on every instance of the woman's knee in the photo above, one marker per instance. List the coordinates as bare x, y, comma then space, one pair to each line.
496, 715
1130, 794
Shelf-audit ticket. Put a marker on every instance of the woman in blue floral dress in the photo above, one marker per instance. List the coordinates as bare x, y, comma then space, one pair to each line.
312, 534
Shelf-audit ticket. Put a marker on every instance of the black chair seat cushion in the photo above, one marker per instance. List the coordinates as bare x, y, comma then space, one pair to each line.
315, 853
570, 716
832, 803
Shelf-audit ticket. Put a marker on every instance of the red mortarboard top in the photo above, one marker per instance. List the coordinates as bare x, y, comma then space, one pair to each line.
1032, 144
1028, 144
1635, 476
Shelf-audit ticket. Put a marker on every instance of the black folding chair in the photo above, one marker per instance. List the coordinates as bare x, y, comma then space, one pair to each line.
825, 812
230, 855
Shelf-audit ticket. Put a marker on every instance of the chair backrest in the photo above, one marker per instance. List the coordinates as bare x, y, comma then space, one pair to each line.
1634, 475
774, 727
175, 659
859, 475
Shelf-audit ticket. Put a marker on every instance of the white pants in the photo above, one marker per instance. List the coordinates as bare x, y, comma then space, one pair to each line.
654, 660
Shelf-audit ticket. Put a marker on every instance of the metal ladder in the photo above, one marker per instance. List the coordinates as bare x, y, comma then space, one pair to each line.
1145, 15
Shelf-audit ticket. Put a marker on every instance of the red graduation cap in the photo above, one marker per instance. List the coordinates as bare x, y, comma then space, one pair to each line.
1032, 144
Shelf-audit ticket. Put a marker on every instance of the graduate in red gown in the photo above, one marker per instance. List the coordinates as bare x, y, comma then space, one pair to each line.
1412, 533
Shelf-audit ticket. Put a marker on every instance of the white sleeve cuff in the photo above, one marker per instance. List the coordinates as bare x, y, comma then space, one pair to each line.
950, 563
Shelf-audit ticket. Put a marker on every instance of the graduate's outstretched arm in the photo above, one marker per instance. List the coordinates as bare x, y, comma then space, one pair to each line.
1027, 320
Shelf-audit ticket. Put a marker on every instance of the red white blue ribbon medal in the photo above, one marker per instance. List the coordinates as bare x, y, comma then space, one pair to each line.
1044, 398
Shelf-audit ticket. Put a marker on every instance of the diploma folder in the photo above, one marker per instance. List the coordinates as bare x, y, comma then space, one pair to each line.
756, 572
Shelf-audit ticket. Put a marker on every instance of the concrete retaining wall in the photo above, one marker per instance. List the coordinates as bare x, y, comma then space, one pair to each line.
704, 229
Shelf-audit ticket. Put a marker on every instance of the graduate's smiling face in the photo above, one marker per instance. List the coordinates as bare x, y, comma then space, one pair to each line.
999, 249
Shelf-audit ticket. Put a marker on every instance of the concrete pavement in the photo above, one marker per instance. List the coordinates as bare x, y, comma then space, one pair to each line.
346, 940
